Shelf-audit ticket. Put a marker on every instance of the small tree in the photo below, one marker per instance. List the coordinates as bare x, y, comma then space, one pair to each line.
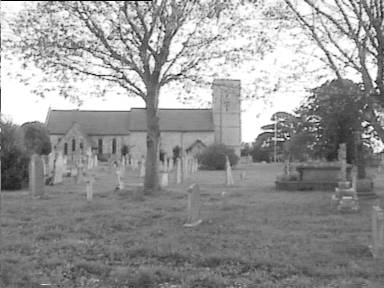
36, 138
214, 157
350, 35
14, 158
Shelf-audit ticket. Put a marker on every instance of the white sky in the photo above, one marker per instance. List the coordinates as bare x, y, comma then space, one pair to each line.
20, 105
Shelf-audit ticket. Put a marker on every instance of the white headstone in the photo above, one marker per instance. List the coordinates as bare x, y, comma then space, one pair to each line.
228, 174
163, 179
59, 169
142, 167
170, 164
89, 180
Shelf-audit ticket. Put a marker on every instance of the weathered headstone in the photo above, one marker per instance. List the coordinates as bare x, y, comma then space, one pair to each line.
170, 164
59, 169
193, 206
36, 176
142, 167
89, 180
95, 161
342, 156
178, 170
377, 247
228, 174
120, 183
134, 164
163, 179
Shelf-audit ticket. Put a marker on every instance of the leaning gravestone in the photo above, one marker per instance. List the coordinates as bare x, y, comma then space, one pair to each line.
193, 206
377, 248
36, 176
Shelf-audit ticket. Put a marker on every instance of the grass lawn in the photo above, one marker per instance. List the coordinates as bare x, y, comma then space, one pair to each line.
261, 238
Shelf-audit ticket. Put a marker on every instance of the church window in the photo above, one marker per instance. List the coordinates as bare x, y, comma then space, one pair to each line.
65, 148
73, 145
114, 146
100, 146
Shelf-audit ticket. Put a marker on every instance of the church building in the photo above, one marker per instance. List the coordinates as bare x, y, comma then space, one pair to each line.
75, 132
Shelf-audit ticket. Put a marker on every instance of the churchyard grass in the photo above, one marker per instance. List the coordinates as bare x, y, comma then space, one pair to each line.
260, 237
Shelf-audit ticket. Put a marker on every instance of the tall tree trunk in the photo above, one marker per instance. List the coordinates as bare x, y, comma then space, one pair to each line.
151, 180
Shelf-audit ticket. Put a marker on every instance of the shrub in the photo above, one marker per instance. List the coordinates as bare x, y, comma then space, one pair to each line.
213, 157
14, 158
36, 138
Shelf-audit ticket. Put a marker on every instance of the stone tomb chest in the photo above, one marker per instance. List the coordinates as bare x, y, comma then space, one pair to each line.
315, 176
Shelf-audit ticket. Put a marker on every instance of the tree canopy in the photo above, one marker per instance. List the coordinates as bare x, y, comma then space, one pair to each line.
138, 46
351, 36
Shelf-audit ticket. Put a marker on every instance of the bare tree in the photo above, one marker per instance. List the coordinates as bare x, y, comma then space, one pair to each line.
351, 35
140, 46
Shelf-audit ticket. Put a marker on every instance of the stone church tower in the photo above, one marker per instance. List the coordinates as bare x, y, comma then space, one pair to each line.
227, 112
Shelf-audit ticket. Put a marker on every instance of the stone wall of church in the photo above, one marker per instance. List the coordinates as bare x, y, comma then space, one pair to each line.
107, 141
169, 140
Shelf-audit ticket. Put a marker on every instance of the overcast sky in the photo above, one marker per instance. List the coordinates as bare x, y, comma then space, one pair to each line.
20, 105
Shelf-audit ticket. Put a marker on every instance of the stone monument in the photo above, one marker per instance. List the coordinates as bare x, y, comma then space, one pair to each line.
36, 176
193, 206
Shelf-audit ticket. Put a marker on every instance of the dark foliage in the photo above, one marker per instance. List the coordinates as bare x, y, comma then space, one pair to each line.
213, 157
36, 138
14, 158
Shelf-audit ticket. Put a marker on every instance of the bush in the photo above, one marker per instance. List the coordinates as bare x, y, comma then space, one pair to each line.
14, 158
36, 138
213, 157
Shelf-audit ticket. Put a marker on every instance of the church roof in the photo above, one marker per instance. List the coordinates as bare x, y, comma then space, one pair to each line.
174, 120
91, 122
122, 122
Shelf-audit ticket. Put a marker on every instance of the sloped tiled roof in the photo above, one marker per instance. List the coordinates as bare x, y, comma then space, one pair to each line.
175, 120
91, 122
122, 122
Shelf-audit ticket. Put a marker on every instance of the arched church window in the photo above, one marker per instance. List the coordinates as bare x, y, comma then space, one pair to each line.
65, 148
73, 145
114, 146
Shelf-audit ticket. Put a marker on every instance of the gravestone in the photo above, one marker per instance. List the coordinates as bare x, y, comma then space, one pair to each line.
80, 173
224, 199
51, 164
36, 176
377, 247
163, 179
228, 174
89, 180
120, 183
134, 164
193, 206
142, 167
342, 156
170, 164
178, 170
59, 169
